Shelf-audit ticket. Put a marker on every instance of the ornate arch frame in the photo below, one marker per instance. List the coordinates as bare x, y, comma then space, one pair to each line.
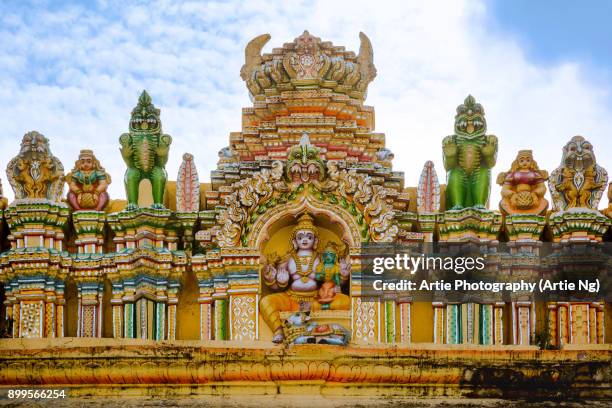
259, 231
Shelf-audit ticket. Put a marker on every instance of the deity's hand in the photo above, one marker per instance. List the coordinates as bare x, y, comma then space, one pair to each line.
535, 198
282, 275
449, 146
269, 274
345, 268
513, 200
126, 146
490, 147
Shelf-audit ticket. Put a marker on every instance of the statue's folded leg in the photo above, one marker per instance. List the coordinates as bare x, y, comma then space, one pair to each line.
480, 187
132, 180
456, 189
340, 302
271, 305
158, 182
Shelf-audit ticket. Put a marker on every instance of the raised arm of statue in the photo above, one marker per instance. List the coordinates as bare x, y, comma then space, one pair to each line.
345, 268
126, 148
449, 149
489, 151
163, 149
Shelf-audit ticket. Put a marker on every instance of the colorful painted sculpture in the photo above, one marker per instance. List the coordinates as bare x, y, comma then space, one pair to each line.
299, 330
303, 162
187, 186
523, 187
428, 190
87, 183
35, 173
145, 151
579, 182
294, 277
328, 273
469, 155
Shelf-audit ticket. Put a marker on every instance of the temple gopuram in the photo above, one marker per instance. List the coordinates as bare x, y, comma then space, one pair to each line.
250, 281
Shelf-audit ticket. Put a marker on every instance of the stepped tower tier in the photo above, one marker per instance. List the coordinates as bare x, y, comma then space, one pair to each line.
308, 87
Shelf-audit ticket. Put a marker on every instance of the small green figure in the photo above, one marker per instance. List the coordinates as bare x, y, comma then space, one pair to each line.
145, 151
328, 272
469, 155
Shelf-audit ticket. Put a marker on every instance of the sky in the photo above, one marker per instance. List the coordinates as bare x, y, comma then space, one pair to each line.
73, 71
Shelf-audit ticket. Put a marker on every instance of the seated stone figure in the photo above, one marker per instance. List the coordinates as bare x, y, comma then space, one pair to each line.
294, 277
523, 186
87, 183
579, 181
328, 273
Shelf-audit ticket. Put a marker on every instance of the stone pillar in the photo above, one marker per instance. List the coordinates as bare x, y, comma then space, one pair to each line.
220, 308
242, 270
145, 279
36, 300
405, 333
87, 269
524, 231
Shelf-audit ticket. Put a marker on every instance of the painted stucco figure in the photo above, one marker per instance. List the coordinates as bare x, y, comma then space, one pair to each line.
299, 329
35, 173
294, 277
523, 187
469, 155
145, 151
579, 182
328, 273
303, 162
87, 183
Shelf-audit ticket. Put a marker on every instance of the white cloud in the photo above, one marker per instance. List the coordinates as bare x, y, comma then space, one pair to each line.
75, 74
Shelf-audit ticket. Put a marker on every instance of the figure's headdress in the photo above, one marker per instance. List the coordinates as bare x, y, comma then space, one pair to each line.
305, 223
524, 153
331, 246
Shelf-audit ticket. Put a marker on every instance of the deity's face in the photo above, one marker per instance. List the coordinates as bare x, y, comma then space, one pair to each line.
524, 162
305, 239
470, 120
578, 153
306, 44
86, 163
328, 257
34, 142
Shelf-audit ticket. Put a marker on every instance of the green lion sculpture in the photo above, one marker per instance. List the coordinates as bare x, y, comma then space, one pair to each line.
145, 151
469, 155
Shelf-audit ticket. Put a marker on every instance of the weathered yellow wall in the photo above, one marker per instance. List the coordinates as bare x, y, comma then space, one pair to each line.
188, 309
421, 320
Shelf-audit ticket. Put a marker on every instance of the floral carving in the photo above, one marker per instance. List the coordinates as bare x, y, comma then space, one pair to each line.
355, 191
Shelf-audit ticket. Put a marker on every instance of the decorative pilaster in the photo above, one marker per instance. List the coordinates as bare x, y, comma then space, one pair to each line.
469, 224
35, 269
145, 280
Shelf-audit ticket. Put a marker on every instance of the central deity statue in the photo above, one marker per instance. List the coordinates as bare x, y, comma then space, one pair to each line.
469, 155
295, 278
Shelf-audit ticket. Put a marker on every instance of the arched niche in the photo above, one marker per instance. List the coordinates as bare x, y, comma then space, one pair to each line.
331, 219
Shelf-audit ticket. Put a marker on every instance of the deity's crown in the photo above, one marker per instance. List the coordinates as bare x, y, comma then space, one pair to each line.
307, 63
470, 107
331, 246
86, 153
305, 223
